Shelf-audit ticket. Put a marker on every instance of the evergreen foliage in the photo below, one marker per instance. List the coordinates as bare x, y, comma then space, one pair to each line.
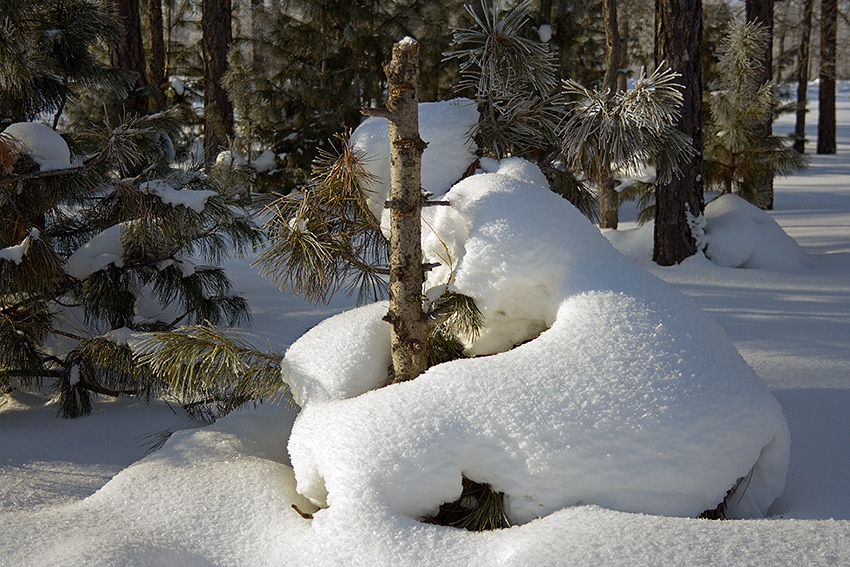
619, 136
736, 153
514, 78
48, 52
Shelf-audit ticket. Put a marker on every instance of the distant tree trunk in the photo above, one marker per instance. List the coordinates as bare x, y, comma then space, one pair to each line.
256, 8
622, 76
157, 58
678, 36
129, 54
608, 201
803, 77
761, 11
218, 111
826, 110
409, 330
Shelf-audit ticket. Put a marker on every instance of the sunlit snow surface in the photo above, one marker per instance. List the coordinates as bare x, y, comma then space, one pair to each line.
42, 144
222, 495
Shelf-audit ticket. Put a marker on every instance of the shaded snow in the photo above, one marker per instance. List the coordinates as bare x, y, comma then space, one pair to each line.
98, 253
43, 144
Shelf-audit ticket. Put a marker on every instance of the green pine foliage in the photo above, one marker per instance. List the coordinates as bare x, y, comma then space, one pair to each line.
736, 153
514, 78
621, 135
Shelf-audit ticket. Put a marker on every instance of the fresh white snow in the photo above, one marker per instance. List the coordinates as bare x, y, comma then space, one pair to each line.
222, 495
43, 144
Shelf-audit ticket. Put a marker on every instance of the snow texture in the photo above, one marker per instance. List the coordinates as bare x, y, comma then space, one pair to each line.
169, 194
98, 253
17, 252
740, 235
630, 398
43, 144
445, 126
264, 162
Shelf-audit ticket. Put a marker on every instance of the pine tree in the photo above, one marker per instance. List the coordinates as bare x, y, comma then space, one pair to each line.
737, 153
513, 77
96, 224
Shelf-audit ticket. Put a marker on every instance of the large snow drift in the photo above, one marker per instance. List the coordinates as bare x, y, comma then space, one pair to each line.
622, 393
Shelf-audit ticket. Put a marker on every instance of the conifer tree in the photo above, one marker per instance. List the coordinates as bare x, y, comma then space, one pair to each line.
737, 153
100, 236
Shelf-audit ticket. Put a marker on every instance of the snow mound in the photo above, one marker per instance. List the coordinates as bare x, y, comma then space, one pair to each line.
444, 125
43, 144
96, 254
170, 194
622, 394
740, 235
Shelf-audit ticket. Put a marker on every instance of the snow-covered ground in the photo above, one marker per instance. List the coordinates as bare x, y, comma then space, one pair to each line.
221, 495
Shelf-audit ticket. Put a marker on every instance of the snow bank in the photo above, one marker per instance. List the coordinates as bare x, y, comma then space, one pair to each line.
623, 394
740, 235
445, 126
42, 144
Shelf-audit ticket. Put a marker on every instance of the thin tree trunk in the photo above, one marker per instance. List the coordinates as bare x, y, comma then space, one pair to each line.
128, 54
803, 77
409, 332
608, 201
622, 76
761, 11
826, 109
678, 37
218, 111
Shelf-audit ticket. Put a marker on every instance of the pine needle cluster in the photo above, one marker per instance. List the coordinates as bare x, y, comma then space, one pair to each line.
324, 238
513, 76
737, 154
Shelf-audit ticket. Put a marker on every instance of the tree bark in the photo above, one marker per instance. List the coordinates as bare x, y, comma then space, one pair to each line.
157, 57
608, 201
803, 77
409, 332
128, 54
678, 36
761, 11
218, 111
826, 110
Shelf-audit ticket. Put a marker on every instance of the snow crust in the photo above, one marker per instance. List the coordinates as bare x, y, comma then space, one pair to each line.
444, 125
625, 395
740, 235
43, 144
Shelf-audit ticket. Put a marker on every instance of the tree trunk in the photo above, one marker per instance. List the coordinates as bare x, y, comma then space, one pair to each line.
678, 36
608, 200
409, 330
157, 58
761, 11
128, 54
622, 76
218, 111
826, 111
803, 77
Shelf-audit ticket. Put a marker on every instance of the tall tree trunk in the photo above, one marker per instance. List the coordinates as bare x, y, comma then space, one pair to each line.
761, 11
157, 58
409, 333
803, 77
826, 110
128, 54
608, 200
622, 76
678, 36
218, 111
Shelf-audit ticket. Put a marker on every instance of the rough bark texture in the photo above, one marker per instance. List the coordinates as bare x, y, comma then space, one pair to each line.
803, 77
129, 54
608, 202
218, 111
157, 56
678, 35
409, 330
826, 110
761, 11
